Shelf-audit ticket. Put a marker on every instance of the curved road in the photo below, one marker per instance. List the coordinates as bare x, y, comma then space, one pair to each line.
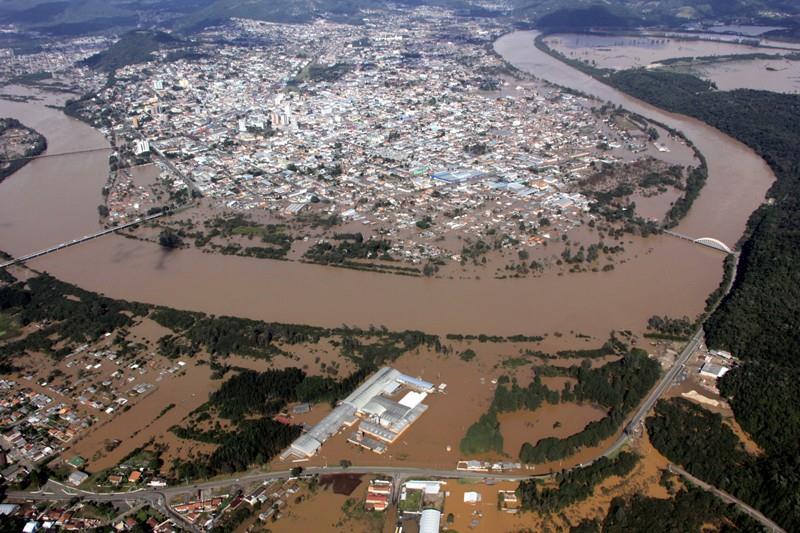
727, 498
159, 497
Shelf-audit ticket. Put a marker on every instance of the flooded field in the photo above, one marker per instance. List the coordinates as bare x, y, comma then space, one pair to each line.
667, 276
485, 516
778, 75
742, 29
622, 51
142, 422
324, 510
561, 420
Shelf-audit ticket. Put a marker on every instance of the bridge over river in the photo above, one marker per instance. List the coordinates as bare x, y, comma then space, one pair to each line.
703, 241
73, 242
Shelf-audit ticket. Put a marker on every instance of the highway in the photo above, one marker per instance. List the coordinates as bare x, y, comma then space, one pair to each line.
665, 382
159, 497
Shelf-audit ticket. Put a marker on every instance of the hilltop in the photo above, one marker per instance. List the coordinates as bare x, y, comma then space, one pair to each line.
74, 17
134, 47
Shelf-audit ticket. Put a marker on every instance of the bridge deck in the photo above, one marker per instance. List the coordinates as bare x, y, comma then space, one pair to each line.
73, 242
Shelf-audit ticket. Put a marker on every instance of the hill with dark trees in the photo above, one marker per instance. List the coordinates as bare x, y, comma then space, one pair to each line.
76, 17
132, 48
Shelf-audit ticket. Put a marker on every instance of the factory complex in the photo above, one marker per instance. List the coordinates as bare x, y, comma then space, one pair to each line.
384, 406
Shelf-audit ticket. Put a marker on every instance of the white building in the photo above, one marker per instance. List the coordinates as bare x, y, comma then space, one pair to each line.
141, 146
429, 521
381, 417
712, 370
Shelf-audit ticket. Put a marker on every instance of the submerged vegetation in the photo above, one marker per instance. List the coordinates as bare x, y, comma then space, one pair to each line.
573, 486
617, 386
255, 440
18, 144
757, 319
66, 318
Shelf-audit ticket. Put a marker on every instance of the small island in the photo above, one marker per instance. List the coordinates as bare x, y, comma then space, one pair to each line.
18, 144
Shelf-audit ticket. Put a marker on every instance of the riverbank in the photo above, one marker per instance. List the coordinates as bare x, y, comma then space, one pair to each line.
663, 275
19, 144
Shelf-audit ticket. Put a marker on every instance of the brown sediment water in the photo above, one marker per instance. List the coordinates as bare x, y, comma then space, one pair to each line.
54, 199
777, 75
629, 51
738, 178
560, 421
135, 427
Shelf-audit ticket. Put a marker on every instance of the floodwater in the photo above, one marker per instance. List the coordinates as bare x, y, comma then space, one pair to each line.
777, 75
55, 199
142, 422
52, 199
623, 51
738, 178
743, 29
560, 421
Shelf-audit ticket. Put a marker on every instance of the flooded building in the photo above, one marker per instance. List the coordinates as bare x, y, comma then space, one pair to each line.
429, 521
382, 417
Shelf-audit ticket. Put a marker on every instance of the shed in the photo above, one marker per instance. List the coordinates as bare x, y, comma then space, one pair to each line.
77, 477
429, 521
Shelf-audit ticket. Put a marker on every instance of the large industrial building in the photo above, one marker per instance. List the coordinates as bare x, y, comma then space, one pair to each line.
375, 406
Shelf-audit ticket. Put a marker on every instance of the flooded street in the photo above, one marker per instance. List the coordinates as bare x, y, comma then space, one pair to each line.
55, 199
738, 179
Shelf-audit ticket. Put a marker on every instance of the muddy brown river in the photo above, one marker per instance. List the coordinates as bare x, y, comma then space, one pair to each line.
55, 199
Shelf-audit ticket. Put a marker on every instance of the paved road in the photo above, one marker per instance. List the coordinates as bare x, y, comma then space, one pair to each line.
158, 497
57, 491
727, 498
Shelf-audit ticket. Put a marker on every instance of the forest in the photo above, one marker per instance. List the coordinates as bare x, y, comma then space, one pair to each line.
250, 394
227, 335
691, 509
574, 485
757, 321
68, 313
617, 386
699, 440
267, 393
133, 47
764, 397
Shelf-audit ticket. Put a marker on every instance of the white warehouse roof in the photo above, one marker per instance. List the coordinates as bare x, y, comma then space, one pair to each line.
412, 399
429, 521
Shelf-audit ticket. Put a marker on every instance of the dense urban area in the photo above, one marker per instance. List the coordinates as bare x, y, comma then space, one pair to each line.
611, 190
